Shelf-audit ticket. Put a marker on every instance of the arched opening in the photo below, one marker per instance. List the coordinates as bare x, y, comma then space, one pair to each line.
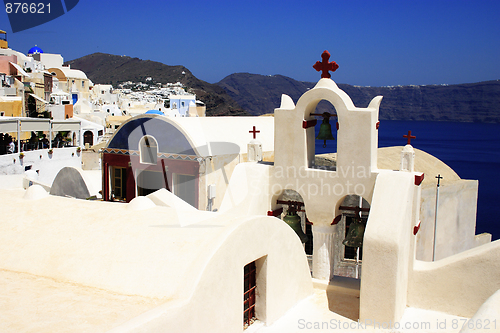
88, 137
324, 135
344, 291
148, 150
292, 200
354, 211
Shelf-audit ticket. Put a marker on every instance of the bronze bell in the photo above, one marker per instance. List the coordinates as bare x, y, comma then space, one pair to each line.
355, 236
293, 220
325, 131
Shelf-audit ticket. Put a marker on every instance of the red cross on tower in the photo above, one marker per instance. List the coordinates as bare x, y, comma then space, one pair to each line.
409, 136
325, 65
254, 131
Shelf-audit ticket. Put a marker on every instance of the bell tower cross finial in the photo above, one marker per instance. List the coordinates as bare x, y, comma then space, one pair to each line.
325, 66
409, 137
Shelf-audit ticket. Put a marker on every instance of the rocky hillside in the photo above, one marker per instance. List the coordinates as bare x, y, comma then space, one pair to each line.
473, 102
113, 69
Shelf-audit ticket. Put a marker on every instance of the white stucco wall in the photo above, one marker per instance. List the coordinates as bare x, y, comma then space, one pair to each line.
217, 171
388, 247
196, 269
216, 304
458, 284
48, 165
456, 224
486, 317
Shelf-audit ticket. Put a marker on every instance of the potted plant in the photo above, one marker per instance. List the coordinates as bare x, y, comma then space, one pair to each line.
50, 151
78, 149
21, 155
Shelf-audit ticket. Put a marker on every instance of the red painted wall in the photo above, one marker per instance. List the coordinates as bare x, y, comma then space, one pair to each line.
173, 166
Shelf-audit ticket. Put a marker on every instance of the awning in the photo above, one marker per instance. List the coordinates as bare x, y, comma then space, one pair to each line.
19, 69
39, 98
35, 124
8, 125
66, 125
26, 124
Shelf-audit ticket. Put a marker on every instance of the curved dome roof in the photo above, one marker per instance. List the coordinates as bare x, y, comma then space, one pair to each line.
155, 112
35, 50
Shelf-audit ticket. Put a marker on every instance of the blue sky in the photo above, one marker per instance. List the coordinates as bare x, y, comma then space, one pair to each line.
375, 43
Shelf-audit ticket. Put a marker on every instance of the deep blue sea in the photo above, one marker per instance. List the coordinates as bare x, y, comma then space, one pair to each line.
471, 149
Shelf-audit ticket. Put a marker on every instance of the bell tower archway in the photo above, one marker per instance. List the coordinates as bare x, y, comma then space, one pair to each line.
355, 168
353, 211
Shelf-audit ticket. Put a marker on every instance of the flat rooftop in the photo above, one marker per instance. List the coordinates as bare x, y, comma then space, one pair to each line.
30, 303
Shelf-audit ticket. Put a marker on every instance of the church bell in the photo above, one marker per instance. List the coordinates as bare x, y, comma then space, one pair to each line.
293, 220
325, 131
355, 236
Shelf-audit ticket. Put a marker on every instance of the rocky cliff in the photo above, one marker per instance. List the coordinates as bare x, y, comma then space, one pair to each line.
472, 102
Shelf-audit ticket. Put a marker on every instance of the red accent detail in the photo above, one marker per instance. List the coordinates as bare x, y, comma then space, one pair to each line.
416, 228
409, 136
105, 178
308, 222
338, 125
324, 66
419, 179
290, 202
275, 213
336, 219
254, 131
309, 123
165, 178
377, 125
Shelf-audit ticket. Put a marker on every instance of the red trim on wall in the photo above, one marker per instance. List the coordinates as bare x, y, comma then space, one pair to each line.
419, 179
105, 179
276, 212
336, 220
165, 174
309, 123
416, 228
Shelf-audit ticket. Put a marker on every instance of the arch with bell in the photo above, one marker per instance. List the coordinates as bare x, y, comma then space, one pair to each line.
323, 189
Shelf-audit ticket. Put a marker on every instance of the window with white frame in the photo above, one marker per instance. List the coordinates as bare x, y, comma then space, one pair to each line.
148, 150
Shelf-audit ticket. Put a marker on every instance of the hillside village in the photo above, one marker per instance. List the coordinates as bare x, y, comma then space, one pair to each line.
37, 85
126, 209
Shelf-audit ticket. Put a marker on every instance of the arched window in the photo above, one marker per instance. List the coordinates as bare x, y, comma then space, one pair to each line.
148, 148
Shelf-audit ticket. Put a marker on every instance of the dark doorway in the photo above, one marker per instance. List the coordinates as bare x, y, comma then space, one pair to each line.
88, 137
119, 183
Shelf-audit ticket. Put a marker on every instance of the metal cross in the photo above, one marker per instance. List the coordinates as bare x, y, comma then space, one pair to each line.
409, 136
325, 65
439, 177
254, 132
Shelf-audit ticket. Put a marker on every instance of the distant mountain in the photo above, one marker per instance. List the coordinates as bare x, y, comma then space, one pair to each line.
245, 94
113, 69
473, 102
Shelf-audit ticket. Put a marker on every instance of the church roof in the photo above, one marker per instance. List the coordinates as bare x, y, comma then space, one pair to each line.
390, 158
66, 72
158, 112
200, 136
35, 50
